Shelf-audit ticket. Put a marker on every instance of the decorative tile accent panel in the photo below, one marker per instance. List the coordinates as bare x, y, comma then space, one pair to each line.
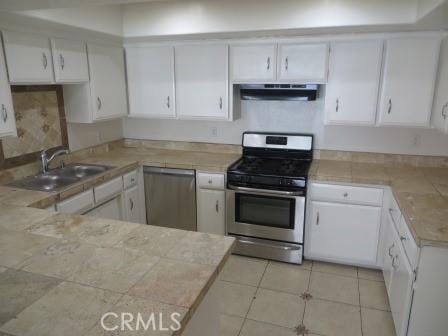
38, 123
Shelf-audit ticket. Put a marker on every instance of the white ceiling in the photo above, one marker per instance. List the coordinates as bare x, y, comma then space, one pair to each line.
18, 5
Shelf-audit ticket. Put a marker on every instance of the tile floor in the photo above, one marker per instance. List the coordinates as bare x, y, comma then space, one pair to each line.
266, 298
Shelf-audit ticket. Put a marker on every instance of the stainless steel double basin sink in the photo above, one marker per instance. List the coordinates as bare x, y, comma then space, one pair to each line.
59, 178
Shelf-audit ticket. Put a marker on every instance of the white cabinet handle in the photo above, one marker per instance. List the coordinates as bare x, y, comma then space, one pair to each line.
444, 111
99, 103
217, 206
390, 250
61, 61
44, 60
337, 105
286, 64
168, 101
131, 204
220, 103
389, 109
268, 63
4, 113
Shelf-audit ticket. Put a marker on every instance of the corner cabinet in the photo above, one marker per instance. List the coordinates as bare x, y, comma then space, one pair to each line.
104, 97
28, 57
7, 117
409, 75
440, 107
353, 82
343, 224
150, 74
202, 81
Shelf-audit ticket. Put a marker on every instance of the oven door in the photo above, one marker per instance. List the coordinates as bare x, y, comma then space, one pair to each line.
271, 214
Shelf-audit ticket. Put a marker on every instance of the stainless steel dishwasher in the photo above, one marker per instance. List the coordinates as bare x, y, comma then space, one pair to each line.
170, 196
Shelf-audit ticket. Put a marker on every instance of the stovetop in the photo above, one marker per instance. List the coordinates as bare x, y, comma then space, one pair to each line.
275, 167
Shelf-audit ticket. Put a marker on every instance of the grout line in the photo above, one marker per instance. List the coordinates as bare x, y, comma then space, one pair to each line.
254, 298
359, 300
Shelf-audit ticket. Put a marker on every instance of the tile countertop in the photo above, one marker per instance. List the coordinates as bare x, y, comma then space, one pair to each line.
421, 192
80, 267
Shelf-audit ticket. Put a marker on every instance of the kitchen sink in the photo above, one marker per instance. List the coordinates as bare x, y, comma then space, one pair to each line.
59, 178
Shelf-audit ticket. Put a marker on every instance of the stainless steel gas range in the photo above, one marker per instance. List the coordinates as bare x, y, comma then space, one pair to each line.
266, 195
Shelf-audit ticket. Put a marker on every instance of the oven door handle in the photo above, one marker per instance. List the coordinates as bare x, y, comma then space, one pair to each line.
267, 191
286, 248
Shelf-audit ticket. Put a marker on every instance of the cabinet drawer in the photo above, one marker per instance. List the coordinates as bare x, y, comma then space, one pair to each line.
409, 244
210, 181
108, 189
341, 193
77, 204
130, 179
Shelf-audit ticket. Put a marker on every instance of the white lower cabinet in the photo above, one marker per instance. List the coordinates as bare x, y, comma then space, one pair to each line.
211, 203
110, 210
343, 232
132, 205
7, 117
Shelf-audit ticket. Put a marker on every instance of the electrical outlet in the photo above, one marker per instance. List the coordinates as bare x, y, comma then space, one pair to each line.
214, 132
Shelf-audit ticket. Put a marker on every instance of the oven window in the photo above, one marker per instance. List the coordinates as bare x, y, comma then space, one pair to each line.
265, 210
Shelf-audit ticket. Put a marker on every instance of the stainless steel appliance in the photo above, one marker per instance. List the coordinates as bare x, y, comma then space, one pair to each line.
266, 195
170, 197
300, 92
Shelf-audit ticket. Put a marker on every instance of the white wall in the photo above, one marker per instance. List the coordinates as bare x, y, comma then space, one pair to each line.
293, 117
104, 19
196, 16
86, 135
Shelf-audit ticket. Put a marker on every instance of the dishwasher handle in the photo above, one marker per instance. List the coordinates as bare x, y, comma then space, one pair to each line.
168, 171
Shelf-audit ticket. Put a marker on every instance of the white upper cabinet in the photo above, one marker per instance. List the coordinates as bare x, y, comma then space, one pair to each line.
440, 106
409, 76
150, 72
202, 81
251, 63
70, 61
353, 82
303, 63
104, 97
7, 118
28, 57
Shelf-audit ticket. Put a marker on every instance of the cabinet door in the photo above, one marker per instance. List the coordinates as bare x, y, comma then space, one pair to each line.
201, 81
408, 81
253, 63
107, 81
211, 211
353, 82
7, 117
70, 61
389, 248
440, 107
344, 232
306, 63
109, 210
28, 57
150, 72
132, 205
400, 296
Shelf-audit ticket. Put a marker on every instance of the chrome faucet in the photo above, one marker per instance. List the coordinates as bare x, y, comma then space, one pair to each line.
46, 161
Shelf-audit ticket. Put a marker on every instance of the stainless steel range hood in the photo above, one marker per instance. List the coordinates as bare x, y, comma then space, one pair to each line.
298, 92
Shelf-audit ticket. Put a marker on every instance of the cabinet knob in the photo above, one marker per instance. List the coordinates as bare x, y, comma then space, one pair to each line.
61, 61
220, 103
131, 203
286, 63
317, 219
217, 206
4, 113
44, 60
444, 108
402, 238
345, 194
168, 101
99, 103
389, 109
337, 105
268, 63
